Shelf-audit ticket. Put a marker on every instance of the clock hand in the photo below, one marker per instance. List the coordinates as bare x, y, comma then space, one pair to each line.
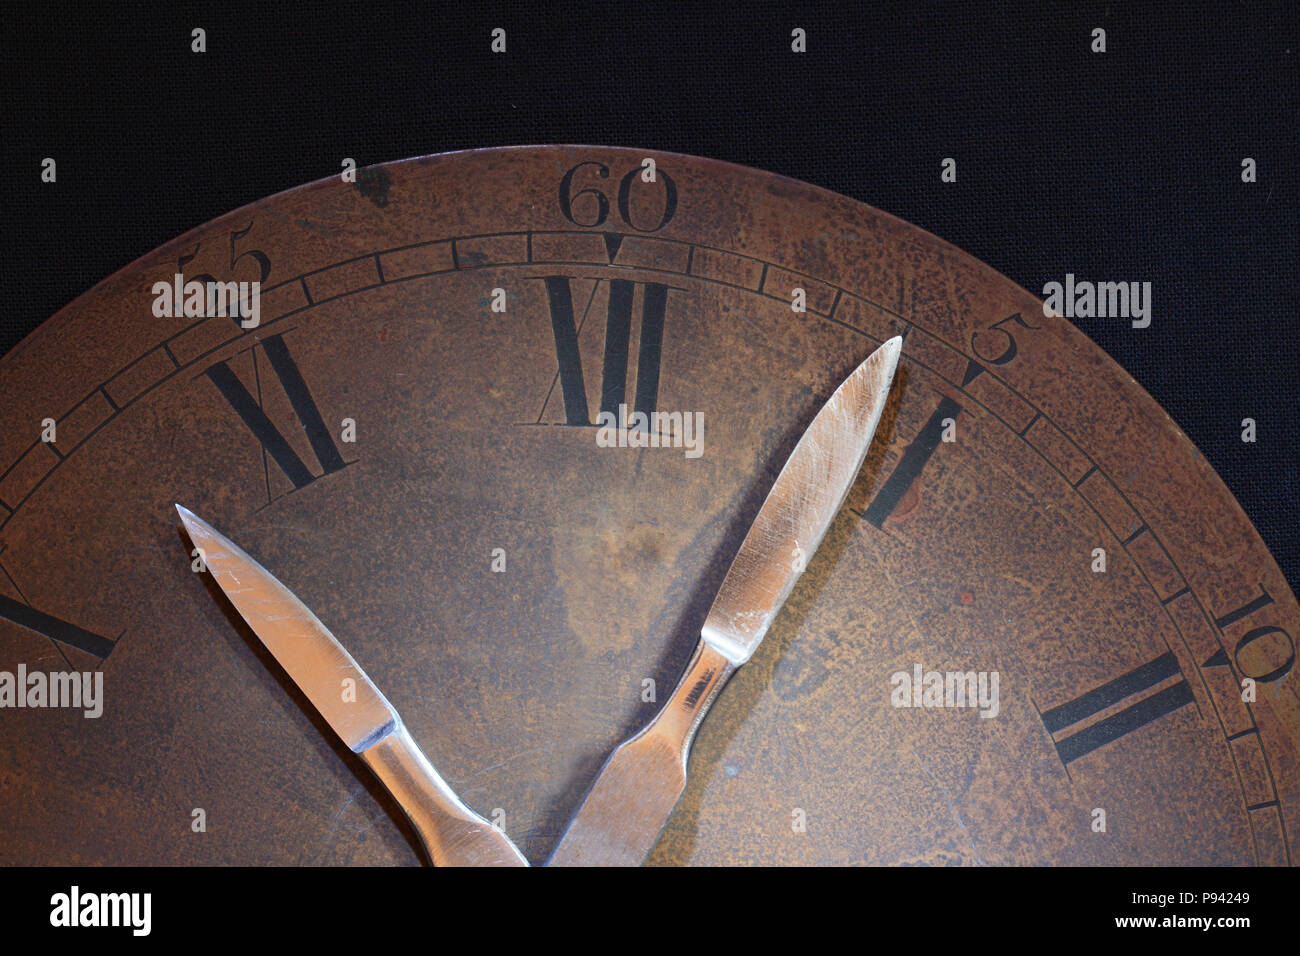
621, 817
452, 833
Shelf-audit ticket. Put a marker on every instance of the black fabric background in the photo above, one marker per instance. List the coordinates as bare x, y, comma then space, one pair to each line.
1123, 166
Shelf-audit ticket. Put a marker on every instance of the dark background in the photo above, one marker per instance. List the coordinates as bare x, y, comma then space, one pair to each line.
1122, 166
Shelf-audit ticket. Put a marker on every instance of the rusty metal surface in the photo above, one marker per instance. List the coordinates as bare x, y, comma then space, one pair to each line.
473, 435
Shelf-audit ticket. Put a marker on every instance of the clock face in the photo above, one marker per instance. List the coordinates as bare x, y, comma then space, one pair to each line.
411, 439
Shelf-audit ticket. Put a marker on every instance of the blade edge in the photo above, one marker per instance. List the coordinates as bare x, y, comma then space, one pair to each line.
312, 657
798, 510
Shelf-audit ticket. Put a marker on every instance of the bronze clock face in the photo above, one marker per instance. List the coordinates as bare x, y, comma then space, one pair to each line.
409, 440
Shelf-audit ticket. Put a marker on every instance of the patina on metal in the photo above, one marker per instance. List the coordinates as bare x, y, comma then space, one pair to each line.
527, 597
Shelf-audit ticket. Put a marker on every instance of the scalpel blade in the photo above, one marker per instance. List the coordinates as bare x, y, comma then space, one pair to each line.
351, 704
620, 820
